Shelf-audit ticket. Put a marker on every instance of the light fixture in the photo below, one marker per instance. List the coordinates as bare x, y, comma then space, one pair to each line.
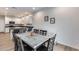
33, 8
6, 8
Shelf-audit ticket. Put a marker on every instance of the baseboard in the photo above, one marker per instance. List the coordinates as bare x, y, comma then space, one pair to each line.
67, 47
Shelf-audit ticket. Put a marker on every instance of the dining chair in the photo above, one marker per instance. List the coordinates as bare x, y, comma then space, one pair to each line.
36, 31
22, 30
17, 42
29, 28
50, 45
15, 31
19, 45
43, 32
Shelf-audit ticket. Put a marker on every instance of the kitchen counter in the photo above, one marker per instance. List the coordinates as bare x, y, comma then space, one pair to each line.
9, 27
17, 25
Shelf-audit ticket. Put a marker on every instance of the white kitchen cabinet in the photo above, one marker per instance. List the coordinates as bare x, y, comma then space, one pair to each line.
6, 29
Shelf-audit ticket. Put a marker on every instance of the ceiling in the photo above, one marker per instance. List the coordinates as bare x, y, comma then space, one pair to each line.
18, 11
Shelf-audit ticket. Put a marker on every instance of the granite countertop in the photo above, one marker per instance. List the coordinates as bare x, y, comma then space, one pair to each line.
17, 25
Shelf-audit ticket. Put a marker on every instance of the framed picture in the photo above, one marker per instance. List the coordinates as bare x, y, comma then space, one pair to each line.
46, 18
52, 20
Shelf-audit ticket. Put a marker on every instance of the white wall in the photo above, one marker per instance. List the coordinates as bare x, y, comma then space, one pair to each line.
66, 26
2, 23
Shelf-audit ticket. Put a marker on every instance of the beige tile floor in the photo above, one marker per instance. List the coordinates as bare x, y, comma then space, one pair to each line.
60, 47
6, 44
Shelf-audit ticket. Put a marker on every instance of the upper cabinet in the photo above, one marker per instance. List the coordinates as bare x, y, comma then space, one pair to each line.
23, 20
27, 20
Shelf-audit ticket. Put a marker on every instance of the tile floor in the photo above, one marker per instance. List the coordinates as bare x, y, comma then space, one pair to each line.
6, 44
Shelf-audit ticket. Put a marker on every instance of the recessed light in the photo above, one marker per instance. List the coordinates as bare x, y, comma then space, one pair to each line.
33, 8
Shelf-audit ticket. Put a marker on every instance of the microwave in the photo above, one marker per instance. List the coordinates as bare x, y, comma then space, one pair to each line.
11, 22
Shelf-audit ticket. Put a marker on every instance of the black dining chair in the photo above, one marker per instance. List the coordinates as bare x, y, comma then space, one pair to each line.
15, 31
36, 31
43, 32
19, 45
23, 29
17, 41
29, 28
50, 45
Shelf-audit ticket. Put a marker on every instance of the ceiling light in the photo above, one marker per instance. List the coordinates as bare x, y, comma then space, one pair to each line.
6, 8
33, 8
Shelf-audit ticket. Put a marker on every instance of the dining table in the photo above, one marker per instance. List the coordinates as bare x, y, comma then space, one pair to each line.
33, 40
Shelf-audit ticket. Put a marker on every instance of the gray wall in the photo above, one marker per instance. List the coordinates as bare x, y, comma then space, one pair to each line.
66, 26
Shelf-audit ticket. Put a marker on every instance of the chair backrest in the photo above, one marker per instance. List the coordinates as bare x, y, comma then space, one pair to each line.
16, 40
36, 31
29, 29
43, 32
51, 43
22, 30
16, 31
